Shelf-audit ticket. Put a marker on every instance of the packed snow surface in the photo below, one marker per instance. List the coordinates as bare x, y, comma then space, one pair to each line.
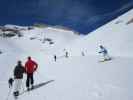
76, 77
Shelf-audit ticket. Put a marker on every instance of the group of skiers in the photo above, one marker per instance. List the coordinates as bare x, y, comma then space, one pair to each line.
31, 66
102, 51
29, 69
66, 56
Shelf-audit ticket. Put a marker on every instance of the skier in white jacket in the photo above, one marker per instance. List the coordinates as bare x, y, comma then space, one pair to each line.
104, 52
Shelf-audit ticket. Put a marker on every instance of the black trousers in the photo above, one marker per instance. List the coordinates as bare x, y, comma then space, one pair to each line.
30, 80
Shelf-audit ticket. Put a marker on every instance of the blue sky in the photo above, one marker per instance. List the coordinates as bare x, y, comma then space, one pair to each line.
81, 15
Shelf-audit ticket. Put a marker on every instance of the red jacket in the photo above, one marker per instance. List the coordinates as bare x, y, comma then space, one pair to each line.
30, 66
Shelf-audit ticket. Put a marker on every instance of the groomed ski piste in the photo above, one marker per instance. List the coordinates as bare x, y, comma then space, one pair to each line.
76, 77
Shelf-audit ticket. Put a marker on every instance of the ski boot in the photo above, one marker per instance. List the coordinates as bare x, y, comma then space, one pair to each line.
16, 94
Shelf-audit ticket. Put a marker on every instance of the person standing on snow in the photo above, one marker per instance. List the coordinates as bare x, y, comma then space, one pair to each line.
30, 67
18, 76
55, 57
83, 54
66, 54
104, 52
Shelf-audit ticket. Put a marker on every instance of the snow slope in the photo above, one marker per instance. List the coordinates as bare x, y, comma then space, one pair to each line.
76, 77
116, 37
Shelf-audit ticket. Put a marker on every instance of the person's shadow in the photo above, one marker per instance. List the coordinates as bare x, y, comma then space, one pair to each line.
41, 84
37, 86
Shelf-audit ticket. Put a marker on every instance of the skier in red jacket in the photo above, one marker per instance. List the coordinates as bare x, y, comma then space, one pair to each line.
30, 67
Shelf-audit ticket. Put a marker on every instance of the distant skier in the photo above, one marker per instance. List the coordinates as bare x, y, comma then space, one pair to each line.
18, 76
30, 67
55, 58
104, 52
83, 54
66, 55
10, 82
0, 52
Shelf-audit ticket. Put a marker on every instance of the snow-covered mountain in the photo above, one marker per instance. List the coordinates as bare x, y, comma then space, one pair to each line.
76, 77
116, 36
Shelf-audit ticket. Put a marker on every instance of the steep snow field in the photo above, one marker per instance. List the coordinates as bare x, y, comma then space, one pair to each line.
116, 37
76, 77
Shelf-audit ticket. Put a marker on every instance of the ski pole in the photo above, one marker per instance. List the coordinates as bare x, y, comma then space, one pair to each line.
22, 85
9, 92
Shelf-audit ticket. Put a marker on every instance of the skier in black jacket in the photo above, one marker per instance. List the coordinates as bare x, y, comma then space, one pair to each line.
18, 76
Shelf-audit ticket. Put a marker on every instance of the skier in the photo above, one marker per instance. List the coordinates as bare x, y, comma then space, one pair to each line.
83, 54
104, 52
66, 55
55, 58
18, 76
10, 82
30, 67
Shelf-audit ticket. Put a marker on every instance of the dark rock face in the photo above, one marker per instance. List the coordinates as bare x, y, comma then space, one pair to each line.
80, 15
